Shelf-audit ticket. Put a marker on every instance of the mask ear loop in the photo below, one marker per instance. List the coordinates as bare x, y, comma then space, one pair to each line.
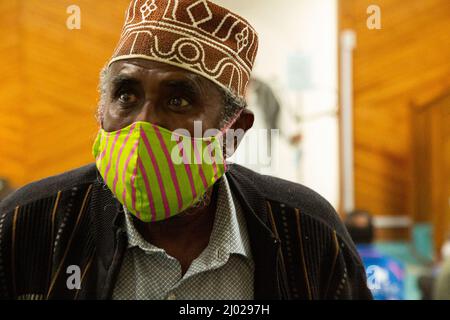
223, 132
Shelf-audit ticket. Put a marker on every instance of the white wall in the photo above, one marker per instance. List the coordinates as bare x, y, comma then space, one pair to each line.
307, 28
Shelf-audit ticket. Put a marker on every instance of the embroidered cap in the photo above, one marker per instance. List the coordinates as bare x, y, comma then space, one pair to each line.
198, 36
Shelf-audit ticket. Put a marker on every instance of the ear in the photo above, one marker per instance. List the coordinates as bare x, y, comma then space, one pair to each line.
237, 131
245, 120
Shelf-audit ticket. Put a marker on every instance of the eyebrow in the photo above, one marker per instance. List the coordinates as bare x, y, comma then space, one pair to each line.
122, 79
184, 85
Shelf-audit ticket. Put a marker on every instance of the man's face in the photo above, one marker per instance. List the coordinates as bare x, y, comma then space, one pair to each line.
170, 97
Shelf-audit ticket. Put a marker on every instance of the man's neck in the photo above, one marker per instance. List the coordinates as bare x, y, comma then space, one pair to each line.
185, 236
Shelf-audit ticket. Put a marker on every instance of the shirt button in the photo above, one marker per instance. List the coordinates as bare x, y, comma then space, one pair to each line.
171, 296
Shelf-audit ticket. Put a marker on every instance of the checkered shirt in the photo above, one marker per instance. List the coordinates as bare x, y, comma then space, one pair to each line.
224, 270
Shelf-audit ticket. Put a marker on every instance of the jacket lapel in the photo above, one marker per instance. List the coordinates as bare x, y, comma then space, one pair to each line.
265, 245
110, 239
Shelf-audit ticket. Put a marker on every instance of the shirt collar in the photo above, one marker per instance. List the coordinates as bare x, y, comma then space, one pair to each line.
229, 233
135, 239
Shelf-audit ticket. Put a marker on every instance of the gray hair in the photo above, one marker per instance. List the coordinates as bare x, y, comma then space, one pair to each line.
102, 90
232, 103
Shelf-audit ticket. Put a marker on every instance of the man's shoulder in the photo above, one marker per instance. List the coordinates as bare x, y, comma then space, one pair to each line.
289, 194
315, 245
50, 186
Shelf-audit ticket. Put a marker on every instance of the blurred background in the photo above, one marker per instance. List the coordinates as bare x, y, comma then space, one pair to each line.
359, 91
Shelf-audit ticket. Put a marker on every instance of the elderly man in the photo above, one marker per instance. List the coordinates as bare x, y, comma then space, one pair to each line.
161, 215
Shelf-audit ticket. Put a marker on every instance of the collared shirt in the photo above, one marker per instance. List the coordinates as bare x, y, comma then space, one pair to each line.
224, 270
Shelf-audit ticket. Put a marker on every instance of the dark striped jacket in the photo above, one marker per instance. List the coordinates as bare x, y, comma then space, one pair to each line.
300, 247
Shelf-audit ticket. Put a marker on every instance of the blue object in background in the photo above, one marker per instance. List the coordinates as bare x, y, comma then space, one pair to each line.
385, 275
423, 240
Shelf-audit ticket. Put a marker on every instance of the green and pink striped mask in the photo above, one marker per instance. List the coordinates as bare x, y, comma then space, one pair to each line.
156, 173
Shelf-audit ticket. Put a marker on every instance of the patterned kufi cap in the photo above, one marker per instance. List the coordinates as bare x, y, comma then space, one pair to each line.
198, 36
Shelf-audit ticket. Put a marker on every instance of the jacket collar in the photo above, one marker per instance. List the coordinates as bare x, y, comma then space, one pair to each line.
111, 240
109, 236
264, 244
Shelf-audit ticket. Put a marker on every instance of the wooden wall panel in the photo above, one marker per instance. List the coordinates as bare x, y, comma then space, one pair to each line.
440, 168
49, 84
11, 121
432, 166
405, 63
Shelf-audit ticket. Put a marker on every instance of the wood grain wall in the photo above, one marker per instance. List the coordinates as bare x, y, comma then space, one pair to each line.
431, 124
48, 87
405, 64
11, 122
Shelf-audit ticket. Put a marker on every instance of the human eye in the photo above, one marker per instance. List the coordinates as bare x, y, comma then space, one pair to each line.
127, 98
178, 103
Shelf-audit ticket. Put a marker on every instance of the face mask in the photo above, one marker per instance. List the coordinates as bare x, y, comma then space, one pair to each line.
155, 173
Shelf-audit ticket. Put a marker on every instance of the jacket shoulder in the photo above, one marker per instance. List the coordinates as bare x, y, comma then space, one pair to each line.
326, 264
37, 227
49, 186
290, 194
